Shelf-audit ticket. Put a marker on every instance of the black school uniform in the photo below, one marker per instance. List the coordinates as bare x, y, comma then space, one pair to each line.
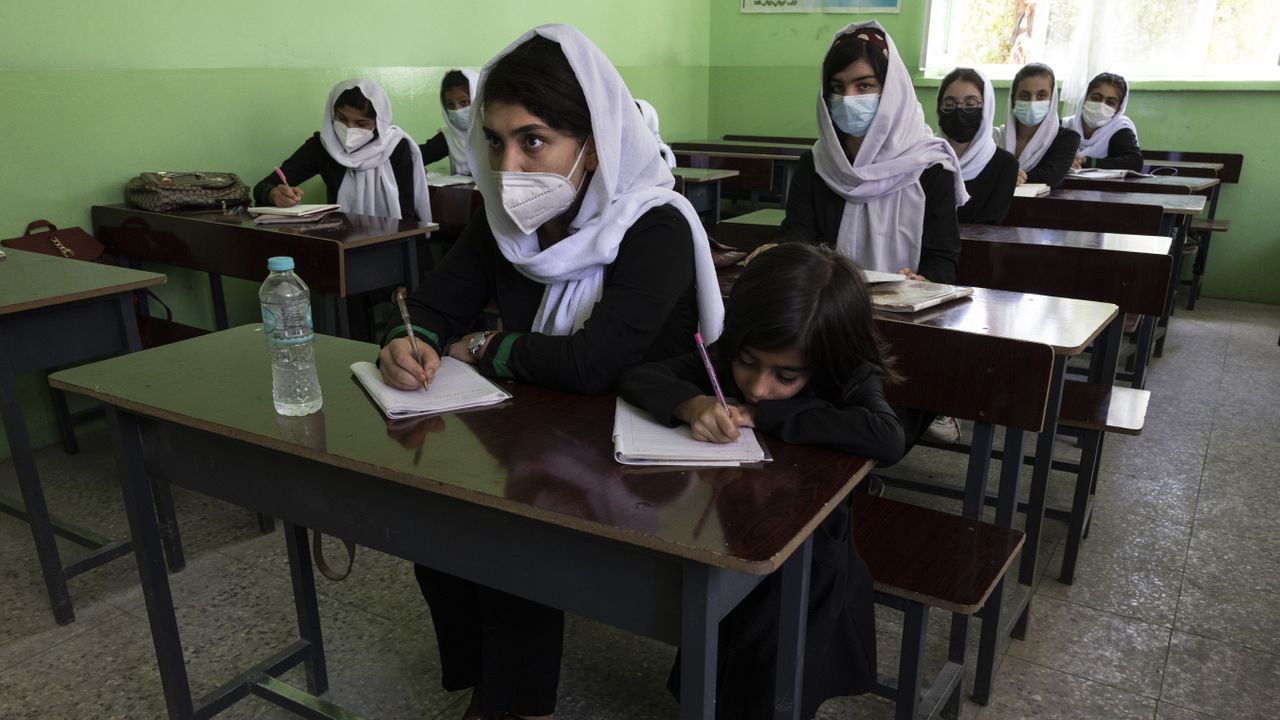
1123, 153
991, 191
435, 149
840, 641
1056, 161
312, 159
814, 211
648, 311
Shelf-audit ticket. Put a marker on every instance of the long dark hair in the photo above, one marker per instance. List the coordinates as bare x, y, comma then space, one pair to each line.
848, 50
811, 298
1032, 70
353, 98
454, 79
1107, 78
961, 73
537, 75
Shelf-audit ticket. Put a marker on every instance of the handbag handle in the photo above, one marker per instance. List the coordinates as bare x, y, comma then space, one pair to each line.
38, 224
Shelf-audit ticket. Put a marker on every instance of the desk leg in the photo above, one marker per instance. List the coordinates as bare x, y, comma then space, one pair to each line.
792, 625
993, 611
411, 272
134, 485
1142, 351
975, 484
699, 643
715, 203
219, 301
1178, 233
307, 607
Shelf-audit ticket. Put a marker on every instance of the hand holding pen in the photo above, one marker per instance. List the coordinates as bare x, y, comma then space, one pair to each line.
404, 362
282, 195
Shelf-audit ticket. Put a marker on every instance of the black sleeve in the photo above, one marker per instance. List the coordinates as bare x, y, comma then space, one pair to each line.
1005, 180
658, 388
404, 168
865, 425
452, 296
435, 149
801, 221
1056, 163
940, 242
653, 270
304, 164
1122, 152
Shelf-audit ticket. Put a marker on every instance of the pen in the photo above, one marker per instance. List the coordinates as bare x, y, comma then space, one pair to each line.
408, 327
711, 373
283, 179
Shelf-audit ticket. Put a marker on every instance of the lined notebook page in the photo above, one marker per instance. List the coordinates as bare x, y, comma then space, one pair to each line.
639, 440
457, 386
293, 211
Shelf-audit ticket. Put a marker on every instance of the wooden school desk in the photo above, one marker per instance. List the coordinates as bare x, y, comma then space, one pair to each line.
1184, 167
56, 312
483, 495
782, 156
453, 205
702, 187
366, 253
1157, 183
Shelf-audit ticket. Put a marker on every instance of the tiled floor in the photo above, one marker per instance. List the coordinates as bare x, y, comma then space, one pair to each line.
1174, 614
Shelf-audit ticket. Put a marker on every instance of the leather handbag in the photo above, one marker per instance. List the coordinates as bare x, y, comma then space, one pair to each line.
72, 243
164, 191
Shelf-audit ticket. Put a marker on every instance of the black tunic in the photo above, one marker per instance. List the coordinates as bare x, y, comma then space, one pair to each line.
312, 159
437, 148
1056, 161
1123, 153
814, 211
840, 641
991, 191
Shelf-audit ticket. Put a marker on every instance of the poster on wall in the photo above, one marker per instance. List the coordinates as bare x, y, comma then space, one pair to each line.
821, 6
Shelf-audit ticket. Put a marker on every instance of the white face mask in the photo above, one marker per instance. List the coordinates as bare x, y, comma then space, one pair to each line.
1030, 112
351, 138
459, 118
533, 198
853, 113
1096, 114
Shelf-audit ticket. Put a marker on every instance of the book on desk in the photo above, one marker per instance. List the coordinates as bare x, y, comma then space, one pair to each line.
456, 386
640, 440
296, 214
909, 297
1106, 174
1031, 190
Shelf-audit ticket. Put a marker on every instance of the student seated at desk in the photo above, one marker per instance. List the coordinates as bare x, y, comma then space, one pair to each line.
596, 265
877, 185
1108, 138
456, 91
369, 166
801, 353
650, 115
966, 106
1031, 131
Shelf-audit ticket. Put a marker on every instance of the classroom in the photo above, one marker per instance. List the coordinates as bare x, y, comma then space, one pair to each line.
353, 365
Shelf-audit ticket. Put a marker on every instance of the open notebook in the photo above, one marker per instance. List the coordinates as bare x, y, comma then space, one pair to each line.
457, 386
1106, 174
1031, 190
908, 297
297, 211
435, 179
639, 440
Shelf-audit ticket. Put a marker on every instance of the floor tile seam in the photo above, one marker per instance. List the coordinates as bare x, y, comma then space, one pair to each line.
1239, 646
1086, 678
1114, 614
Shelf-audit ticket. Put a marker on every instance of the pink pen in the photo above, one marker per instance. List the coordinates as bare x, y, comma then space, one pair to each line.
711, 373
283, 179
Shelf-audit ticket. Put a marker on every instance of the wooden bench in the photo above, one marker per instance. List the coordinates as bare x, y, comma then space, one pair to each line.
750, 231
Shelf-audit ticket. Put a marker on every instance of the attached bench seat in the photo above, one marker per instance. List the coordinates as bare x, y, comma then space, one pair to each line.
921, 558
1210, 224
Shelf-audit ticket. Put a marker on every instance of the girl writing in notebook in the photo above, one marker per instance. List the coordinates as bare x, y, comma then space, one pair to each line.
456, 90
801, 356
1045, 149
595, 264
1108, 138
369, 166
966, 106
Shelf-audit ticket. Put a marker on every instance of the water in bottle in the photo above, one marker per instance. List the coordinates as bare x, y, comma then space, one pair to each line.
286, 322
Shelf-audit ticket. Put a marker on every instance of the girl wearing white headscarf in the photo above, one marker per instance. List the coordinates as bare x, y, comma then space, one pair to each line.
369, 166
877, 184
1108, 138
966, 106
595, 264
650, 115
456, 90
1045, 149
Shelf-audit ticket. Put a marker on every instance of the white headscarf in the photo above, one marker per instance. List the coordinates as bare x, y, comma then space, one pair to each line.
650, 115
1096, 146
631, 179
884, 204
457, 139
1007, 135
369, 187
983, 145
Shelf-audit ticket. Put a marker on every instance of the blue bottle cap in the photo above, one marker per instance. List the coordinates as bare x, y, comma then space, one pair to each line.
280, 263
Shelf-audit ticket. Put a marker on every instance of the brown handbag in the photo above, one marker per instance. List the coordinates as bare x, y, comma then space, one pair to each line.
72, 243
164, 191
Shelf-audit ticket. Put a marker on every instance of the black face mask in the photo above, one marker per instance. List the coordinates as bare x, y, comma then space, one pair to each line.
960, 124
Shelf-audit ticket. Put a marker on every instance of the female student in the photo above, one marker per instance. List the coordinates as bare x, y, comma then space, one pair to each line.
456, 90
1108, 138
801, 357
369, 166
650, 115
966, 105
877, 185
595, 264
1031, 130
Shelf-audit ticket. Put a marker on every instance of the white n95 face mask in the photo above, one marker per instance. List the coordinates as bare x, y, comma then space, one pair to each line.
352, 138
1096, 114
533, 198
458, 118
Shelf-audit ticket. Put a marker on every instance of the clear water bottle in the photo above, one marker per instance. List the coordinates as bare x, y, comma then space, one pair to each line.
286, 321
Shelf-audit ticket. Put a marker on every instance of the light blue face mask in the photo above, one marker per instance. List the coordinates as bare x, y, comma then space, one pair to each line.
458, 118
853, 113
1030, 112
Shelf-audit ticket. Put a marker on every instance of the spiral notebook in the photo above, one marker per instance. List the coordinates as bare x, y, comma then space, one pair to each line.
456, 386
640, 440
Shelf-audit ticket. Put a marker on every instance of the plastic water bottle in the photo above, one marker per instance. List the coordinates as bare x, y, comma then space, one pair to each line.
286, 321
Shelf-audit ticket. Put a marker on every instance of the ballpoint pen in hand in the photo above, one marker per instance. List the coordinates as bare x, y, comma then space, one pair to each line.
408, 327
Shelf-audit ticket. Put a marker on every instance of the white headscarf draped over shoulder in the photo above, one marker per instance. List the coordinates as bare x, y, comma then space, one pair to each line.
983, 145
883, 217
1007, 135
457, 139
1096, 146
631, 179
370, 186
650, 115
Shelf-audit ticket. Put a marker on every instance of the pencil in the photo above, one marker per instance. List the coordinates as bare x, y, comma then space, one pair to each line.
711, 372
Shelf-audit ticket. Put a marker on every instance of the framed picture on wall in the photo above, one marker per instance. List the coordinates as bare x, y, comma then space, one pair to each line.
821, 6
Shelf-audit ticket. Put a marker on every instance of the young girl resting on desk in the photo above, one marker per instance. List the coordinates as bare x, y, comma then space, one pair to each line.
801, 353
1108, 138
456, 90
1031, 131
596, 265
966, 105
369, 166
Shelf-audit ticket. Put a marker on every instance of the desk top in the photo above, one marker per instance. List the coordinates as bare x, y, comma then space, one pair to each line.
545, 454
30, 280
1171, 204
736, 148
355, 231
1184, 182
703, 175
1189, 164
1113, 242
